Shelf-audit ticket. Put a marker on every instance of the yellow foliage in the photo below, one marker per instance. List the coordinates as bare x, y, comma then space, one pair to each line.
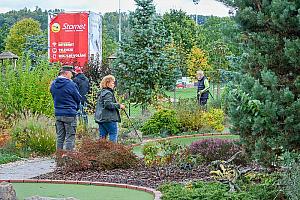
199, 119
197, 60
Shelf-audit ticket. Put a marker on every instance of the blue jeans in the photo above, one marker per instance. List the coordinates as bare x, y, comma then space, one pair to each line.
109, 128
65, 131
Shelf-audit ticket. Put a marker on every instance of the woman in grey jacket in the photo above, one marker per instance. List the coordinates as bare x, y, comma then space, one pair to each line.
107, 113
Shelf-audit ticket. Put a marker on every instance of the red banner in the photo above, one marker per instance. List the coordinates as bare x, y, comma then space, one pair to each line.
69, 39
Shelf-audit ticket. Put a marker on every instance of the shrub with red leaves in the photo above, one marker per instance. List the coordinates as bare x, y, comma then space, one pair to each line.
71, 161
97, 155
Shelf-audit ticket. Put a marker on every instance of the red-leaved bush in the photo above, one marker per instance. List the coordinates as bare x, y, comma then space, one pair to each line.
97, 155
217, 149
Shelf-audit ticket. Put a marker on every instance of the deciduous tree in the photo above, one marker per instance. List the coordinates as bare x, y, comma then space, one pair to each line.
16, 38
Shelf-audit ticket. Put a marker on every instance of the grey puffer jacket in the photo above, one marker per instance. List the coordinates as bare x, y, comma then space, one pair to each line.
107, 108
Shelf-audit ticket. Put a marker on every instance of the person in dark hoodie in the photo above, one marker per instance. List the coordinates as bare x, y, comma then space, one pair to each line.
107, 113
66, 99
202, 88
83, 86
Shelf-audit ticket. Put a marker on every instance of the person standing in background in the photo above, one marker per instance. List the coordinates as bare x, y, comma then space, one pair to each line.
83, 86
203, 88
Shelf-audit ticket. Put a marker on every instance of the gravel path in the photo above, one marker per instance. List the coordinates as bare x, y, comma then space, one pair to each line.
27, 168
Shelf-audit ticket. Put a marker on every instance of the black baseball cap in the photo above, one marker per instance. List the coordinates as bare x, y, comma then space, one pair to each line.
67, 68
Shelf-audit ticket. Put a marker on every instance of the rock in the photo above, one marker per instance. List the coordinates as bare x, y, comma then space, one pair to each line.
49, 198
7, 192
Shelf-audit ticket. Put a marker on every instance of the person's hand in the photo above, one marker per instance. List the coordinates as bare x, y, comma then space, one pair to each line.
122, 106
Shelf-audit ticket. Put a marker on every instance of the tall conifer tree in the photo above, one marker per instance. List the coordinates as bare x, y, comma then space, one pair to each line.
264, 103
145, 64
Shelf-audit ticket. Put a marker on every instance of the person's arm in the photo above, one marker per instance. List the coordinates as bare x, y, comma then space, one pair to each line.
109, 103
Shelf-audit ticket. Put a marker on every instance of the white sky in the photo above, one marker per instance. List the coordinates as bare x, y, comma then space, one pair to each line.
205, 7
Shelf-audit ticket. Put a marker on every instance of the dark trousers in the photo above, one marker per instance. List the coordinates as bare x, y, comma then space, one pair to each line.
65, 131
82, 115
202, 100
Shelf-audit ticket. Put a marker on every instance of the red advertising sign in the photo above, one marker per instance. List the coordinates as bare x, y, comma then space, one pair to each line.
68, 40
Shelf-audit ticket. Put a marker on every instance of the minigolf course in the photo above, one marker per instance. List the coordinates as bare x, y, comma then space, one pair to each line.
82, 192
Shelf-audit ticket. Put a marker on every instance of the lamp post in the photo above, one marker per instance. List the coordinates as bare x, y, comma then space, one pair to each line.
119, 21
196, 3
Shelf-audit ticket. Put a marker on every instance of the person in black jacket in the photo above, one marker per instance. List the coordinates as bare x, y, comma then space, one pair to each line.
83, 86
66, 104
203, 88
107, 113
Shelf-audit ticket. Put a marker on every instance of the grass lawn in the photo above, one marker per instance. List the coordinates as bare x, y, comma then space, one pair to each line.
186, 141
82, 192
183, 93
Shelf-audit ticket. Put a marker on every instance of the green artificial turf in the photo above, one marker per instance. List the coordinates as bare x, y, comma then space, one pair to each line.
82, 192
186, 141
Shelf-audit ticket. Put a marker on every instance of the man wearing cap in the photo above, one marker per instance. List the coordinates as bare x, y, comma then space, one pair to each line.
83, 86
66, 103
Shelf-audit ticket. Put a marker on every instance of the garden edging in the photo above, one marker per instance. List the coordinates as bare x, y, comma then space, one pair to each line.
157, 195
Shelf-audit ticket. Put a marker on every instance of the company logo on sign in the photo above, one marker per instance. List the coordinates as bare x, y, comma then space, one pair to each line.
55, 27
68, 38
73, 27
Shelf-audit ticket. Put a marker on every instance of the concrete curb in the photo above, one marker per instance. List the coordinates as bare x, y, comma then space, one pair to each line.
180, 136
156, 194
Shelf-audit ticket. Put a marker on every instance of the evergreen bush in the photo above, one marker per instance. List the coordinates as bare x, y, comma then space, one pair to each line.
217, 191
263, 102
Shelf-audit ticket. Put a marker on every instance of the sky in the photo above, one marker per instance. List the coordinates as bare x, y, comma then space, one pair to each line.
205, 7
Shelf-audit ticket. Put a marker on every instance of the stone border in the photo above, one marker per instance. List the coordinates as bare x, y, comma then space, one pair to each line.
157, 194
180, 136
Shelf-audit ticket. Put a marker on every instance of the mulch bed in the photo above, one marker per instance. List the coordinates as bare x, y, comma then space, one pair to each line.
140, 176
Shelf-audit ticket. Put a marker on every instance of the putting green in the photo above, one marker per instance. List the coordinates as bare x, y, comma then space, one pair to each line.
184, 141
82, 192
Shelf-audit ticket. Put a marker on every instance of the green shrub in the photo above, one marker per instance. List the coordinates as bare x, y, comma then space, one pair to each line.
6, 157
192, 118
35, 134
291, 177
291, 180
217, 191
162, 153
27, 88
163, 122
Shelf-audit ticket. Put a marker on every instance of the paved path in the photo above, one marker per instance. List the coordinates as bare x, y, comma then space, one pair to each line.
26, 169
